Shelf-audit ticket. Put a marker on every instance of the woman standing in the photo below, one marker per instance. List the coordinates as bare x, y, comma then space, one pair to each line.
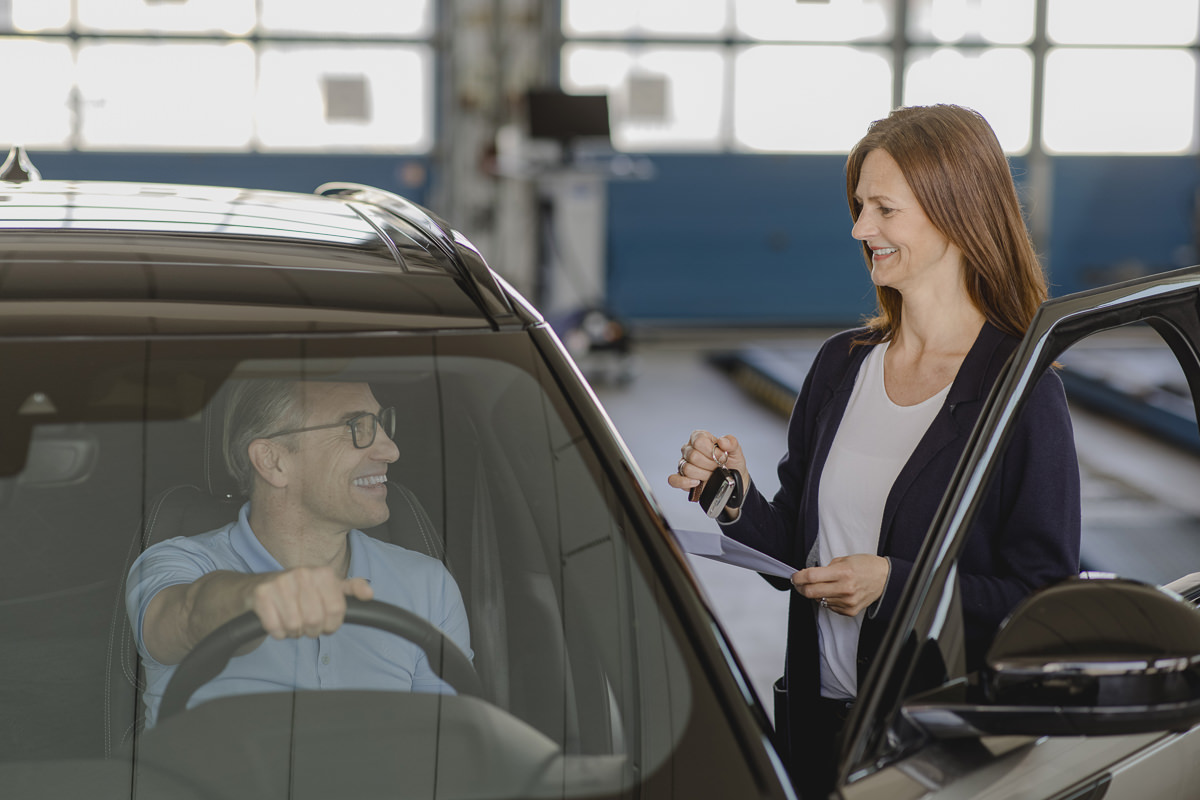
884, 414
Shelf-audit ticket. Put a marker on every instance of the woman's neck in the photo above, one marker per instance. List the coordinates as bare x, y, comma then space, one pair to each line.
948, 323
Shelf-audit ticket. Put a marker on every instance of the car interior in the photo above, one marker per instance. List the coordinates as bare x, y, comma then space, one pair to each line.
572, 648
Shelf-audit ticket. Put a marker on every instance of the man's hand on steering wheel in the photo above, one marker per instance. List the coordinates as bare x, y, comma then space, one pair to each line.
304, 601
211, 656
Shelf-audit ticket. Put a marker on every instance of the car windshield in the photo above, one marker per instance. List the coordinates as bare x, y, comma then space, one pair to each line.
577, 684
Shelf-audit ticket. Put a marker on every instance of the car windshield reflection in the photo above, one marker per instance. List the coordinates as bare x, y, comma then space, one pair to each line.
562, 658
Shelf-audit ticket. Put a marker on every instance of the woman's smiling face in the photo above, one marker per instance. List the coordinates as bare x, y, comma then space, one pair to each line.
907, 251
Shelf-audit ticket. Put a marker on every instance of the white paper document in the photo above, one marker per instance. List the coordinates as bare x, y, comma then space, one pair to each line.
719, 547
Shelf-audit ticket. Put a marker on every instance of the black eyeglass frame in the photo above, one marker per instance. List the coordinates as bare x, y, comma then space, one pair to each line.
385, 418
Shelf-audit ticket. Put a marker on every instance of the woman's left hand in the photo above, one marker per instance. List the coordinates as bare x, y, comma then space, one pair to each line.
848, 584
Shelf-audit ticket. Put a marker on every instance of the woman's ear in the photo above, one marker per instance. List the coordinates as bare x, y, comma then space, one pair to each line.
270, 462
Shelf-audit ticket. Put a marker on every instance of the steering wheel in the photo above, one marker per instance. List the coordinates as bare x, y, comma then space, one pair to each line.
212, 654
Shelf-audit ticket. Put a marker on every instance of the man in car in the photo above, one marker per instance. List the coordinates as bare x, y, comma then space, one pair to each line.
312, 458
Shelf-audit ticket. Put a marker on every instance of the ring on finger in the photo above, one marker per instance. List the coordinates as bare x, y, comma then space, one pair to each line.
679, 468
824, 602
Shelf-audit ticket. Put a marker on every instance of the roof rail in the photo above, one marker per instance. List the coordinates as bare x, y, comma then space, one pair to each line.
476, 276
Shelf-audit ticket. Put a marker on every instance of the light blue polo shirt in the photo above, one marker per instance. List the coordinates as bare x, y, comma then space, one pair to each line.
353, 657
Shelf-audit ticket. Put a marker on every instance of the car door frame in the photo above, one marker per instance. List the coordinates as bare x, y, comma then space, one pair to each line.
1170, 304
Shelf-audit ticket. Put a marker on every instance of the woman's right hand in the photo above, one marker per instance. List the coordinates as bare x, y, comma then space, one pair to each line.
703, 453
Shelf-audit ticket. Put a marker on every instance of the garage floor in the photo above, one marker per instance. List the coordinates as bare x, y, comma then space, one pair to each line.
1141, 498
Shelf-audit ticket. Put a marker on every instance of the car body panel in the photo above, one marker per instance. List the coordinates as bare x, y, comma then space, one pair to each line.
124, 308
210, 244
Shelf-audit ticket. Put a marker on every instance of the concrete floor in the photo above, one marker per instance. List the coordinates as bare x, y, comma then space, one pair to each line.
1141, 498
673, 392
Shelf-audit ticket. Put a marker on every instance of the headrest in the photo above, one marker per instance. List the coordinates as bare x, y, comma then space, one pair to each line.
60, 457
217, 480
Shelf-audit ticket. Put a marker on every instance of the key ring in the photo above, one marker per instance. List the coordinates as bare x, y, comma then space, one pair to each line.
720, 461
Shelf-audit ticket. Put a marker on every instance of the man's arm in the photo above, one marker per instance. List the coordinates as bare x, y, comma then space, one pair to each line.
305, 601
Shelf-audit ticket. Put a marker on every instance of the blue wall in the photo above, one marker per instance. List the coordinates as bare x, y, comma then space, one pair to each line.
741, 238
1121, 217
765, 240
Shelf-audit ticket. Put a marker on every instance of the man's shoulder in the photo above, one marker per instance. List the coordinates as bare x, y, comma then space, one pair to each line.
213, 544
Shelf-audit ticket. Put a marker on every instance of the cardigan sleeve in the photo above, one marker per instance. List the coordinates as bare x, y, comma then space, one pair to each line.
1029, 532
774, 526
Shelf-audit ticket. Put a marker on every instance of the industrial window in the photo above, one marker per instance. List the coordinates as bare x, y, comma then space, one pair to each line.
661, 96
45, 103
670, 18
808, 76
967, 21
220, 75
234, 17
997, 82
372, 18
808, 98
1156, 22
833, 21
169, 96
343, 96
1120, 101
687, 75
1120, 82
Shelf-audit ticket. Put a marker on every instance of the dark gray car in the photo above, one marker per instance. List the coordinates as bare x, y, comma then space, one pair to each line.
596, 669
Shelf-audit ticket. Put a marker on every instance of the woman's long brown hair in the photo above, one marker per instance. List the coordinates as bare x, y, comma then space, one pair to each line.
956, 168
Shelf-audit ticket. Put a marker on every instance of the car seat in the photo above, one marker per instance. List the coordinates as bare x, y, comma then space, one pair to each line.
58, 570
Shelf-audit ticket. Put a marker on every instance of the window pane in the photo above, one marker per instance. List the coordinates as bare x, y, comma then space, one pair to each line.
659, 97
995, 21
997, 83
43, 93
345, 97
834, 20
224, 16
1114, 22
1120, 101
167, 96
662, 17
816, 99
517, 547
353, 17
30, 16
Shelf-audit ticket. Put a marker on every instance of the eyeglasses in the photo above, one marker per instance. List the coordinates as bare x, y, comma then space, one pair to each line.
362, 427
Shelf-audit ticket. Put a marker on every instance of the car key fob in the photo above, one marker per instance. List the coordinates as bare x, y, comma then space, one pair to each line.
722, 488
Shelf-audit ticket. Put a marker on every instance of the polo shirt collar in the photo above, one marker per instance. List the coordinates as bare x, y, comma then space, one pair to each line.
247, 545
258, 559
360, 558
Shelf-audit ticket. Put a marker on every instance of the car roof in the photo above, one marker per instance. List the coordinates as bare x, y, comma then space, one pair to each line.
110, 257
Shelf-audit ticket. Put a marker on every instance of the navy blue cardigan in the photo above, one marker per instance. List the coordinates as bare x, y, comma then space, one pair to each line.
1025, 536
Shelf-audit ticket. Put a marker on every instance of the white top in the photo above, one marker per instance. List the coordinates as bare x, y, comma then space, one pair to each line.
871, 446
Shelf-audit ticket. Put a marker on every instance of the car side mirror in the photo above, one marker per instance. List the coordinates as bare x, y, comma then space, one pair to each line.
1094, 655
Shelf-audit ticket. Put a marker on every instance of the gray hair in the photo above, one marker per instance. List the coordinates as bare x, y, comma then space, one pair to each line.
254, 409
